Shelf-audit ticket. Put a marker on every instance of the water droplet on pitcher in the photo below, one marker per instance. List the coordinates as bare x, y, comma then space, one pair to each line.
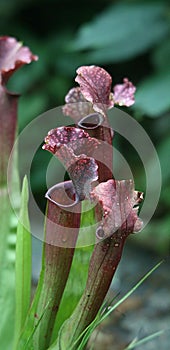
100, 233
64, 239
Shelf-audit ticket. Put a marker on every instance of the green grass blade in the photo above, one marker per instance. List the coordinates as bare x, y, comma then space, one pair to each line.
23, 263
135, 343
137, 285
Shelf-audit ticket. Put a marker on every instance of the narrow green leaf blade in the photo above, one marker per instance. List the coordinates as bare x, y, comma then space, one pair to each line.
132, 290
23, 263
8, 227
7, 272
135, 343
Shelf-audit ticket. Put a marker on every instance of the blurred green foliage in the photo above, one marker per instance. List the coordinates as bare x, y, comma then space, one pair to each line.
127, 38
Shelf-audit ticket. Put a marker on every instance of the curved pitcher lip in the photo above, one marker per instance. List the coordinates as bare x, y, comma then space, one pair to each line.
66, 185
87, 121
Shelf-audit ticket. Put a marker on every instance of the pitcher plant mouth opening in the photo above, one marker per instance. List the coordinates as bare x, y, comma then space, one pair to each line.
91, 121
62, 215
63, 194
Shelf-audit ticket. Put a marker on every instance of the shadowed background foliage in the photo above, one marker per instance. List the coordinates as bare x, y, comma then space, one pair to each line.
127, 38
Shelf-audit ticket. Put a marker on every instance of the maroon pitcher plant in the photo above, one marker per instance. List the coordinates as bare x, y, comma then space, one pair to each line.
86, 152
12, 56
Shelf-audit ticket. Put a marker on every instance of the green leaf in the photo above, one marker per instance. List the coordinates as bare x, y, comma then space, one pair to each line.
152, 96
23, 263
111, 38
8, 227
7, 271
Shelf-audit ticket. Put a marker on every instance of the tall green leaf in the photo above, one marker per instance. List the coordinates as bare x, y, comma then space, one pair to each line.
7, 272
23, 263
8, 227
